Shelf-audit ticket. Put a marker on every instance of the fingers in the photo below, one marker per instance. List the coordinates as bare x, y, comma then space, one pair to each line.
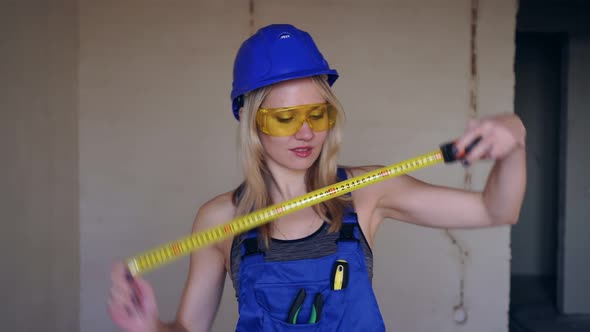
123, 282
124, 303
477, 142
143, 289
119, 274
499, 134
475, 130
124, 295
480, 151
121, 306
118, 292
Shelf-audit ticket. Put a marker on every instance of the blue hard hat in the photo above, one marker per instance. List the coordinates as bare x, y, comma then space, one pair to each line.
276, 53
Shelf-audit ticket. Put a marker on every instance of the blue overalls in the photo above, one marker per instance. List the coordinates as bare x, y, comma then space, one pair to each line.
267, 290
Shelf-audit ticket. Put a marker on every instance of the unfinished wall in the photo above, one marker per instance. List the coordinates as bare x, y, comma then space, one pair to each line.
39, 282
157, 137
156, 134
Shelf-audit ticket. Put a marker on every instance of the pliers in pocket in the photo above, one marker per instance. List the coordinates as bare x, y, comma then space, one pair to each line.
316, 310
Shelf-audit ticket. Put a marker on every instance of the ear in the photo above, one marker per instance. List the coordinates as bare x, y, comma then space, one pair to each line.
240, 113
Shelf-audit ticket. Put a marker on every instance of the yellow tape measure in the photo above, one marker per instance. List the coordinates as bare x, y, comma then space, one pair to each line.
171, 251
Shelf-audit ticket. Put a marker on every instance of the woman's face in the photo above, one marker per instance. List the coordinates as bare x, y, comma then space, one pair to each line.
299, 151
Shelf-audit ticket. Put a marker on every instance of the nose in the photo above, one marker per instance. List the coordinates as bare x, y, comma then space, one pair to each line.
304, 133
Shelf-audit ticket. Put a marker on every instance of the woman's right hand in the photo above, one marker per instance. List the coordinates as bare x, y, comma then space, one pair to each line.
132, 304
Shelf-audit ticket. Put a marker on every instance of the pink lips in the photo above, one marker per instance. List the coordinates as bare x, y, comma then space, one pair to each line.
302, 151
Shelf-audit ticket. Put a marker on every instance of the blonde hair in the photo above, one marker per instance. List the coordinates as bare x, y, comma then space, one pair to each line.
253, 193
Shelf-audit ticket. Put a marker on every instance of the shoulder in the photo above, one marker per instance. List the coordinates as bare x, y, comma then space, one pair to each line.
352, 171
370, 195
216, 211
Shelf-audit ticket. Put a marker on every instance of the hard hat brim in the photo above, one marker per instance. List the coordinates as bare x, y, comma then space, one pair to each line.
238, 92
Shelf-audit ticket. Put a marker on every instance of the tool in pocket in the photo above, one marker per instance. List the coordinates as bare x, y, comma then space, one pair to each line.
339, 277
316, 310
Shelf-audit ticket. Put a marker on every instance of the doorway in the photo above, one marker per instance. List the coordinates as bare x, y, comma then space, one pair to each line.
538, 71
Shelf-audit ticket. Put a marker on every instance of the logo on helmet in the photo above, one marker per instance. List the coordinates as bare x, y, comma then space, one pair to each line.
285, 35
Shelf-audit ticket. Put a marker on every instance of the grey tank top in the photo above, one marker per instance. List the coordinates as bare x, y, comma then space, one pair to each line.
319, 244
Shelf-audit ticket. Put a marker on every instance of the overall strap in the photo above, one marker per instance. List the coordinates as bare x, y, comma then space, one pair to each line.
349, 231
251, 252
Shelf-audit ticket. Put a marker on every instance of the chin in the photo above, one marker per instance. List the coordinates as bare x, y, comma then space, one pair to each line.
301, 164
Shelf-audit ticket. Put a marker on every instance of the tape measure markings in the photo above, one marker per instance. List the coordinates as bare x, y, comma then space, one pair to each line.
180, 247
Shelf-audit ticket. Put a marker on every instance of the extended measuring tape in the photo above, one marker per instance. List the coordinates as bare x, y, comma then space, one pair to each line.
171, 251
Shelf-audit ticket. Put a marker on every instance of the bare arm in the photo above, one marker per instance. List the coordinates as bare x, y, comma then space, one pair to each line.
405, 198
505, 188
204, 284
132, 302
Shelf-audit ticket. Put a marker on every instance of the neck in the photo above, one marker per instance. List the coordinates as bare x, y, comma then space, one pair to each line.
287, 183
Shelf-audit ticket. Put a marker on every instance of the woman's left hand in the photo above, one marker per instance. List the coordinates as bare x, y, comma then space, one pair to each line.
500, 135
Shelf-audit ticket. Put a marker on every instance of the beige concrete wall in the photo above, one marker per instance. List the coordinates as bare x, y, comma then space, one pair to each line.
39, 278
156, 133
157, 138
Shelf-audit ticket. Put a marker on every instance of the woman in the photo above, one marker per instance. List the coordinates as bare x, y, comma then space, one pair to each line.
295, 273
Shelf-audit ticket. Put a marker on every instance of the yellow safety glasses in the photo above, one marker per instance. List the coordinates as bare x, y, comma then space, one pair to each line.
286, 121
